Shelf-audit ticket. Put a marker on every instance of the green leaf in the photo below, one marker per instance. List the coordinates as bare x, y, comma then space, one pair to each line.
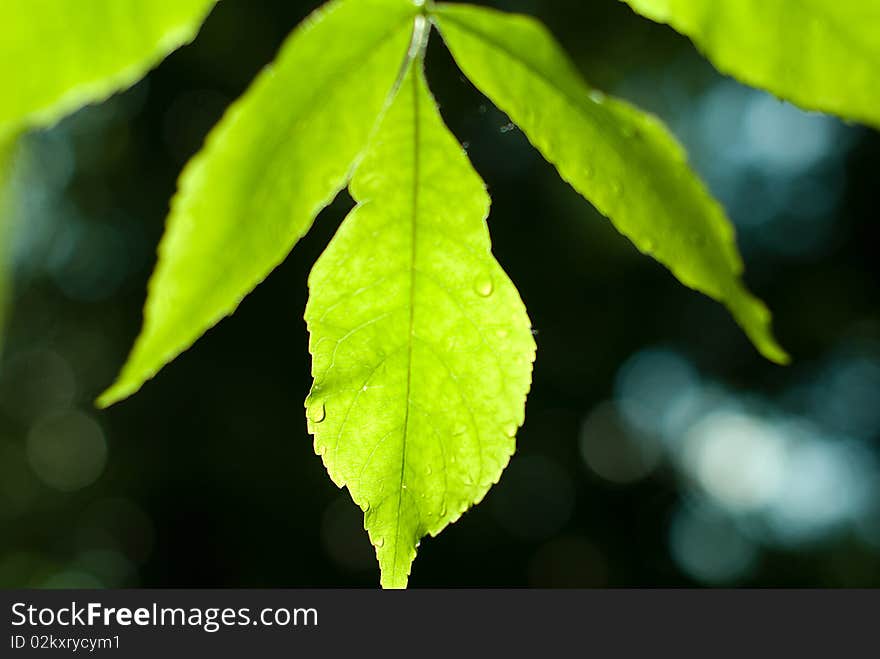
281, 153
8, 150
58, 55
622, 160
820, 54
422, 347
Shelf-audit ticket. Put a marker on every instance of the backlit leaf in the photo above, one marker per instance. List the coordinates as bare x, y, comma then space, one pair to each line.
58, 55
820, 54
622, 160
281, 153
422, 350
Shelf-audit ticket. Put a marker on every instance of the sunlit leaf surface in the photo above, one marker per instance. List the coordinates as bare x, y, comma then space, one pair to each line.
281, 154
622, 160
422, 347
58, 55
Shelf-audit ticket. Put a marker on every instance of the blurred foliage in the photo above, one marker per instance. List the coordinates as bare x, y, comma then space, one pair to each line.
638, 464
55, 57
821, 56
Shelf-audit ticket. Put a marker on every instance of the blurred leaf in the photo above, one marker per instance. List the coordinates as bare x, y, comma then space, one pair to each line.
821, 55
622, 160
422, 347
8, 149
58, 55
281, 153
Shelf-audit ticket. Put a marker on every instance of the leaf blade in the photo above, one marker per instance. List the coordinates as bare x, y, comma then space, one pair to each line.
422, 349
237, 214
821, 56
624, 161
93, 51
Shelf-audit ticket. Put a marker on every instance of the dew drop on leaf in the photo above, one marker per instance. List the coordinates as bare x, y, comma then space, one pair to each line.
483, 286
510, 430
380, 542
317, 413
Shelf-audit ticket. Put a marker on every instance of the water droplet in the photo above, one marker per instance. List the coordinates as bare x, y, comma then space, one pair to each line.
465, 145
429, 471
597, 97
322, 450
502, 333
483, 286
649, 245
380, 542
443, 509
508, 127
365, 506
403, 485
317, 413
510, 430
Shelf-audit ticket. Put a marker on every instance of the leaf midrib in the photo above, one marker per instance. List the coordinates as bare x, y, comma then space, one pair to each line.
412, 266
